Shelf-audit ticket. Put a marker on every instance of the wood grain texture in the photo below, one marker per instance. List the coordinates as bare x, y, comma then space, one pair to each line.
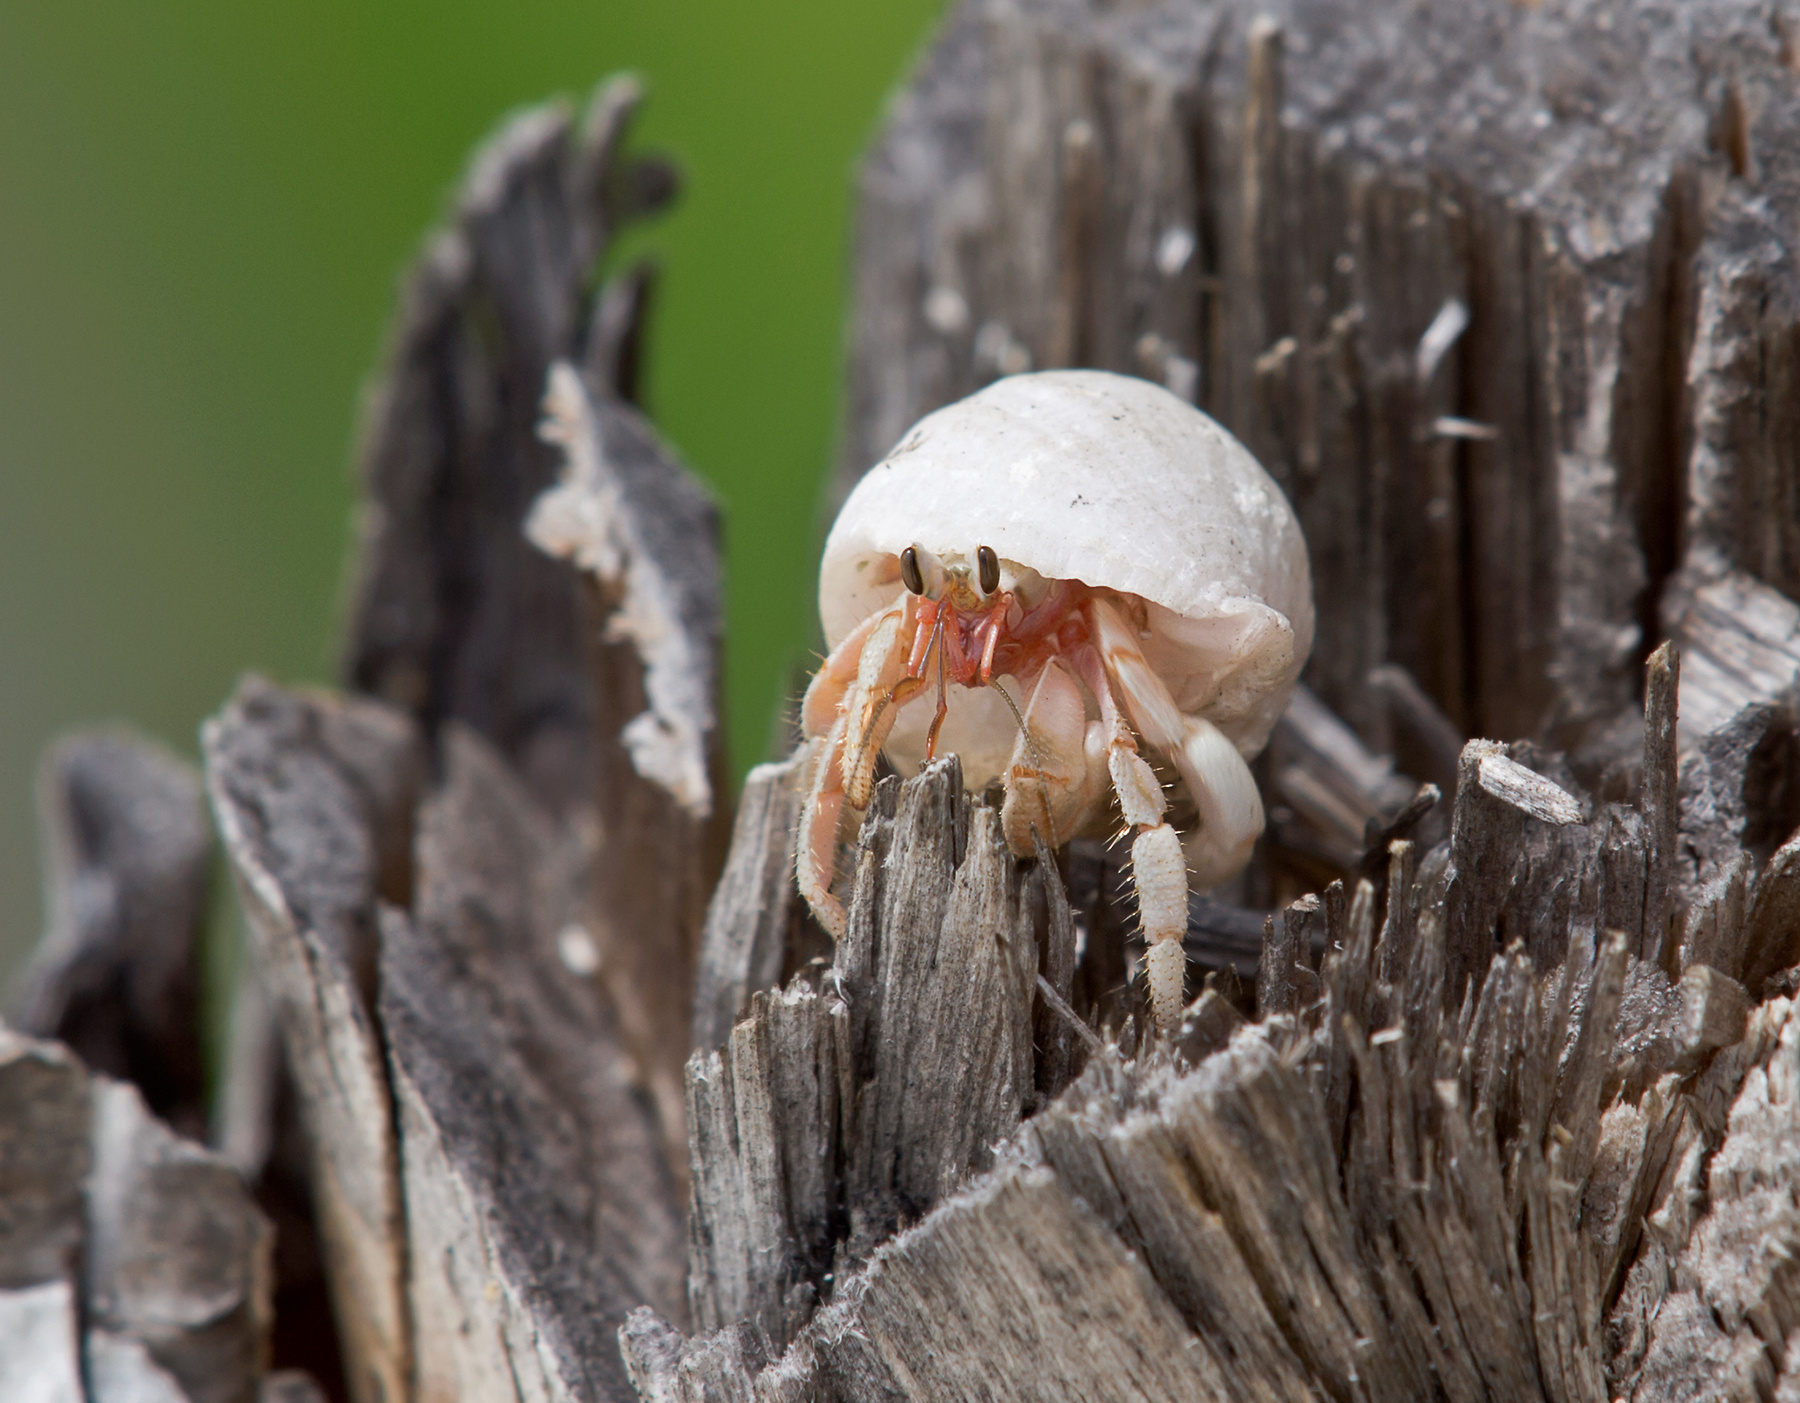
856, 1097
1463, 1155
523, 1264
753, 917
457, 616
433, 1027
300, 788
1506, 300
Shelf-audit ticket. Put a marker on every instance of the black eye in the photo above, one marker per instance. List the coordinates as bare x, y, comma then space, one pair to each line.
989, 565
909, 571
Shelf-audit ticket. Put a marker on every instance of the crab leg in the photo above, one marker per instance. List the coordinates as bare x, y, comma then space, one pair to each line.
1224, 791
824, 698
1231, 811
867, 673
1158, 870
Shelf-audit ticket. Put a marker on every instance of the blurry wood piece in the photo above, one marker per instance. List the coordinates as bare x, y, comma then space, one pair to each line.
134, 1265
45, 1150
178, 1257
1740, 644
308, 794
455, 614
289, 1386
433, 1027
1772, 924
127, 861
539, 1209
458, 617
1332, 782
643, 533
256, 1127
1420, 724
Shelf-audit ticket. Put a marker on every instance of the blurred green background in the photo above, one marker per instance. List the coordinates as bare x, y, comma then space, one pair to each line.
203, 209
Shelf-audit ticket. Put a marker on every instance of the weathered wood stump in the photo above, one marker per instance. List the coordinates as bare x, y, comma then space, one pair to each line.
1488, 1092
1506, 298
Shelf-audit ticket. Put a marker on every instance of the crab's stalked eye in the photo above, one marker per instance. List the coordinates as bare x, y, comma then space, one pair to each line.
989, 565
909, 571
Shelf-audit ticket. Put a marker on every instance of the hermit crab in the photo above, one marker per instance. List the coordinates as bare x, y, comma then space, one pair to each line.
1041, 577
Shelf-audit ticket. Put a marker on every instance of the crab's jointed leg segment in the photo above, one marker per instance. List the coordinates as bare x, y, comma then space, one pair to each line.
849, 709
815, 846
873, 702
824, 698
1158, 868
1159, 872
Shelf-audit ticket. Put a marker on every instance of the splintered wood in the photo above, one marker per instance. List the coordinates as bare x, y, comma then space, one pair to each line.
1502, 1141
1502, 1107
474, 896
1505, 297
862, 1093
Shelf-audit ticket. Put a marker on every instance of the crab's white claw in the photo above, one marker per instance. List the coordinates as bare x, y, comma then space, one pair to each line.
1159, 872
1231, 811
1141, 798
1057, 774
1146, 696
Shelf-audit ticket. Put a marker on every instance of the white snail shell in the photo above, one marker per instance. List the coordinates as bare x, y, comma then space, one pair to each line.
1110, 480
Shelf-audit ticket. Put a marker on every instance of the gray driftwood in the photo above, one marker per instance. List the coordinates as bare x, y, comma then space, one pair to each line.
435, 1028
859, 1095
475, 903
1464, 1155
1486, 1091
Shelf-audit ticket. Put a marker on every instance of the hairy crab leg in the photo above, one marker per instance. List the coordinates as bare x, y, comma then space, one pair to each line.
1158, 868
841, 765
824, 699
815, 849
938, 639
868, 713
1217, 776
